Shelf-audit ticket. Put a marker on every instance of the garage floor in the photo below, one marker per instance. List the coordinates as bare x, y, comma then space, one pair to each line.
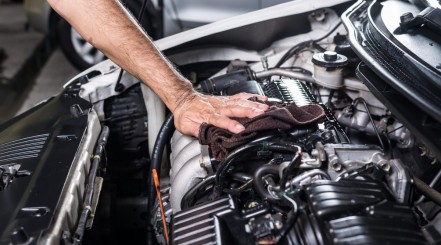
31, 68
50, 81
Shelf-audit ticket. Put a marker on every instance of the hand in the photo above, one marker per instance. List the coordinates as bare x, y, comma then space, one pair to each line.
197, 108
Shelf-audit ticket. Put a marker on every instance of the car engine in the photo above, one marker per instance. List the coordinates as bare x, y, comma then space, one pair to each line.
310, 185
365, 172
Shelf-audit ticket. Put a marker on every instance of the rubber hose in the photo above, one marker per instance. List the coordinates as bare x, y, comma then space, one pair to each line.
288, 170
258, 182
164, 136
229, 160
188, 198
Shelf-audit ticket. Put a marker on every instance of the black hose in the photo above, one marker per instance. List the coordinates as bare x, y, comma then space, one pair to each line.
164, 136
295, 162
427, 191
259, 185
229, 160
188, 199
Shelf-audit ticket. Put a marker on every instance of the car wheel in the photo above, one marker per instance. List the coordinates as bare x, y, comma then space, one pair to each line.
79, 52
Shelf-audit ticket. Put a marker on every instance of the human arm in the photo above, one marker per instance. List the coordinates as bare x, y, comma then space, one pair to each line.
109, 27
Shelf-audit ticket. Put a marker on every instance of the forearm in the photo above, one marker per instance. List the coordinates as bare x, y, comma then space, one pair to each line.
110, 28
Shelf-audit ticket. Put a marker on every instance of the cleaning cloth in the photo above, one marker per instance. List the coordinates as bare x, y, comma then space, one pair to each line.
278, 116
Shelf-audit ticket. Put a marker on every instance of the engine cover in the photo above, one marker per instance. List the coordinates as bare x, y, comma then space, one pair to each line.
354, 211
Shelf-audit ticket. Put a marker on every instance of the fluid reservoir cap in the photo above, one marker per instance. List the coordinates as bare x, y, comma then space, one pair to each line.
329, 59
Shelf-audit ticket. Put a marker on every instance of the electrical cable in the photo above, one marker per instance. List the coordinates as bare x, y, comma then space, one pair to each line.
329, 33
296, 48
402, 126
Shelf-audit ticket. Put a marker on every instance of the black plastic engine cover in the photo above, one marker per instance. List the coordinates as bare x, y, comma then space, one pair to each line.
354, 211
43, 142
213, 222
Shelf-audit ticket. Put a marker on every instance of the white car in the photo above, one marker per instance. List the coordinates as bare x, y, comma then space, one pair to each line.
162, 18
349, 152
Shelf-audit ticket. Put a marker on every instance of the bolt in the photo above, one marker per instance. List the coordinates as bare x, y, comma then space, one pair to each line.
201, 163
386, 167
252, 204
406, 17
337, 167
278, 224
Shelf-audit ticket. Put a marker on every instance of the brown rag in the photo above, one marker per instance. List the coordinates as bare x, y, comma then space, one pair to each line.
278, 116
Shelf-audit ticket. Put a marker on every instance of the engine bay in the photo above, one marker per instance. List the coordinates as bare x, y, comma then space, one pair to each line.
314, 184
359, 165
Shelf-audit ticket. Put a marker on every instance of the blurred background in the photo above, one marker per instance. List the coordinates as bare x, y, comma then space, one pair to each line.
39, 51
32, 67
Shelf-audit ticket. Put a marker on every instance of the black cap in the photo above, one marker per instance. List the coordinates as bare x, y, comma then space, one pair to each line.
329, 59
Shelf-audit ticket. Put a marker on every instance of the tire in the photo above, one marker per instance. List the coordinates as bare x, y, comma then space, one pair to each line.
79, 52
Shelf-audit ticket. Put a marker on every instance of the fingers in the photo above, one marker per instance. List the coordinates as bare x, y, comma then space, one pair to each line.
246, 96
238, 106
226, 123
217, 111
237, 110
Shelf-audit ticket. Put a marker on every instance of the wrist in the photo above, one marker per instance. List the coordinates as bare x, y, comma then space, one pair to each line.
181, 93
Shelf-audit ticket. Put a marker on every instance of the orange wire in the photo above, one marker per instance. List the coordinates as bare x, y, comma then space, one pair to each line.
161, 206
